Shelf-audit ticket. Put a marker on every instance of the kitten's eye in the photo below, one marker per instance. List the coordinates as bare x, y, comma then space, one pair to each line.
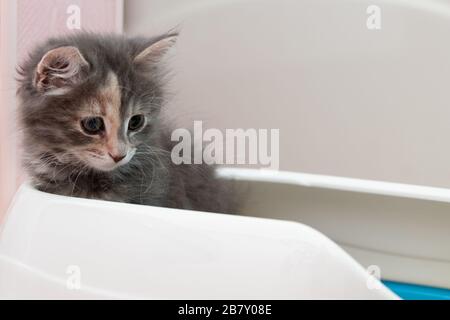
93, 125
136, 122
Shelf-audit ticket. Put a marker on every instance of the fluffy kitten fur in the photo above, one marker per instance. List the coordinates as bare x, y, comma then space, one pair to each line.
68, 79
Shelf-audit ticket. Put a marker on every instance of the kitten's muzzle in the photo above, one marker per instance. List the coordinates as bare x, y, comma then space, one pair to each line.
117, 158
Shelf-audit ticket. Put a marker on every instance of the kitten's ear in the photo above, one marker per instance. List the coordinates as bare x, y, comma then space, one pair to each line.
155, 51
59, 70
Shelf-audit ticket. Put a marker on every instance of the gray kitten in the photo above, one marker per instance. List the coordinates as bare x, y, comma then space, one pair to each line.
89, 110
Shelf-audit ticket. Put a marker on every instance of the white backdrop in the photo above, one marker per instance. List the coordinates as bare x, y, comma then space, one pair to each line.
349, 101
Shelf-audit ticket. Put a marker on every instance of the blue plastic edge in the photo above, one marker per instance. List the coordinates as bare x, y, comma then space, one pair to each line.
408, 291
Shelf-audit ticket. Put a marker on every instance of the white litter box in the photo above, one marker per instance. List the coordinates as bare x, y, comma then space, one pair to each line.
61, 247
402, 229
349, 100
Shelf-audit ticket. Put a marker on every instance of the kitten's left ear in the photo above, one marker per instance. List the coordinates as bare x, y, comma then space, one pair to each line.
59, 70
155, 51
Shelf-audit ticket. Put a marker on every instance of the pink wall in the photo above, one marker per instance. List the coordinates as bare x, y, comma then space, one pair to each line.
8, 159
23, 23
38, 19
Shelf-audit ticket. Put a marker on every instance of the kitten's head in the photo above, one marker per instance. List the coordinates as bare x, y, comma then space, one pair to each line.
90, 99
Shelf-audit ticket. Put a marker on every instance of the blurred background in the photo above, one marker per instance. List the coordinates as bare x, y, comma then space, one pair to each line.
349, 100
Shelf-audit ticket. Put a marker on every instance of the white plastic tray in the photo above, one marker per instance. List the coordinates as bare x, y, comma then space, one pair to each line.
61, 247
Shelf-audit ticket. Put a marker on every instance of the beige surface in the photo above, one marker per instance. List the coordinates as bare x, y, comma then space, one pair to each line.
348, 101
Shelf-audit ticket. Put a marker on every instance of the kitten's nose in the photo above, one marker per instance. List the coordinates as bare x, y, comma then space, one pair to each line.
117, 158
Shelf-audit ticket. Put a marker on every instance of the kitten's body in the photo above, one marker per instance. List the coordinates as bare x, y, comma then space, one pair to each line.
69, 79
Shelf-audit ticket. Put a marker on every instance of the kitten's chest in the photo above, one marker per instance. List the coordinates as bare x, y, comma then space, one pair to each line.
101, 188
